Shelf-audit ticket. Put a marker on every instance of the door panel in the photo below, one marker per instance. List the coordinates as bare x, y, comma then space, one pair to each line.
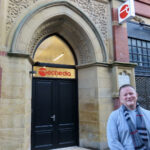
42, 124
67, 113
66, 102
54, 114
43, 112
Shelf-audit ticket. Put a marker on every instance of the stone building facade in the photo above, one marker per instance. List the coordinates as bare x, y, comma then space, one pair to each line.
100, 46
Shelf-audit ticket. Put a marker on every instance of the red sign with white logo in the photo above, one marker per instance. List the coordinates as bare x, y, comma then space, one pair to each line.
126, 11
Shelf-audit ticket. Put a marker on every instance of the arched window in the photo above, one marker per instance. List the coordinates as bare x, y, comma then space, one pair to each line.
54, 59
54, 50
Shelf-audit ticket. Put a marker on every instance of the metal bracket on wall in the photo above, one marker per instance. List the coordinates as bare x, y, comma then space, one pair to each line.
32, 72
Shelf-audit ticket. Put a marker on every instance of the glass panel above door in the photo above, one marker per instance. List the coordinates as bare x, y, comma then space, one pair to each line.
54, 50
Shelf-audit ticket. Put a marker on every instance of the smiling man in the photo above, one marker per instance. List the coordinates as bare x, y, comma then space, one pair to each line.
128, 127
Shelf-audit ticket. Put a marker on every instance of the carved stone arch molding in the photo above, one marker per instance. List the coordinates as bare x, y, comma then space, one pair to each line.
64, 18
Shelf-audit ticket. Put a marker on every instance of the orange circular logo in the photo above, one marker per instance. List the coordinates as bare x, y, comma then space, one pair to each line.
42, 72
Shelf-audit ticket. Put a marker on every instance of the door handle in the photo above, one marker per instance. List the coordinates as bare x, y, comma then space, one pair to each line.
53, 117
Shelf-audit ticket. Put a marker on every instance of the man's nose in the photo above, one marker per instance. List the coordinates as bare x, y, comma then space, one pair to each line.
128, 96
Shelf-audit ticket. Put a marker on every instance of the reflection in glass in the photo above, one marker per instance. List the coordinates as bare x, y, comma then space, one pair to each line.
133, 42
55, 51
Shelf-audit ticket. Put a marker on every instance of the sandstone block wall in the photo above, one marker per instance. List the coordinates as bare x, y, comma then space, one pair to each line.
15, 103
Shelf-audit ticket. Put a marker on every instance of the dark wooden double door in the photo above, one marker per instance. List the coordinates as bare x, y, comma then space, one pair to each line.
54, 114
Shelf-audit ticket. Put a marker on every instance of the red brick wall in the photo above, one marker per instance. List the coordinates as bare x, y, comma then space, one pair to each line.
3, 53
120, 39
121, 44
117, 103
115, 14
142, 9
144, 1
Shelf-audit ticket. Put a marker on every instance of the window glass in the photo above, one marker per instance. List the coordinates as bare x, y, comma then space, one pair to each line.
139, 43
129, 41
144, 58
139, 58
148, 44
145, 65
133, 42
134, 57
55, 51
144, 44
134, 49
130, 49
144, 51
139, 52
131, 58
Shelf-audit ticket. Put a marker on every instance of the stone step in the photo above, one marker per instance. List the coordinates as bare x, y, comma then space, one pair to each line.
72, 148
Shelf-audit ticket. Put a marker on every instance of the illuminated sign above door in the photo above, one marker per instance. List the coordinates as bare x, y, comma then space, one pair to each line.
126, 11
51, 72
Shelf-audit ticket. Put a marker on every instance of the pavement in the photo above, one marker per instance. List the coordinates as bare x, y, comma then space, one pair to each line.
72, 148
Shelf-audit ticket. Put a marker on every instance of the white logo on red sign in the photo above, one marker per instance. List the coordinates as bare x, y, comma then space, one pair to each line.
124, 11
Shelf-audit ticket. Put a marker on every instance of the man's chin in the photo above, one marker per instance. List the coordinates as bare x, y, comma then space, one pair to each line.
131, 105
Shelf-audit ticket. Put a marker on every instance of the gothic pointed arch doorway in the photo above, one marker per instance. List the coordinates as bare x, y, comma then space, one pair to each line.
54, 96
70, 22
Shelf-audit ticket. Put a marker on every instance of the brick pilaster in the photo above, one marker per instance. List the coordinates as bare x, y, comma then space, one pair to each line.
120, 39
